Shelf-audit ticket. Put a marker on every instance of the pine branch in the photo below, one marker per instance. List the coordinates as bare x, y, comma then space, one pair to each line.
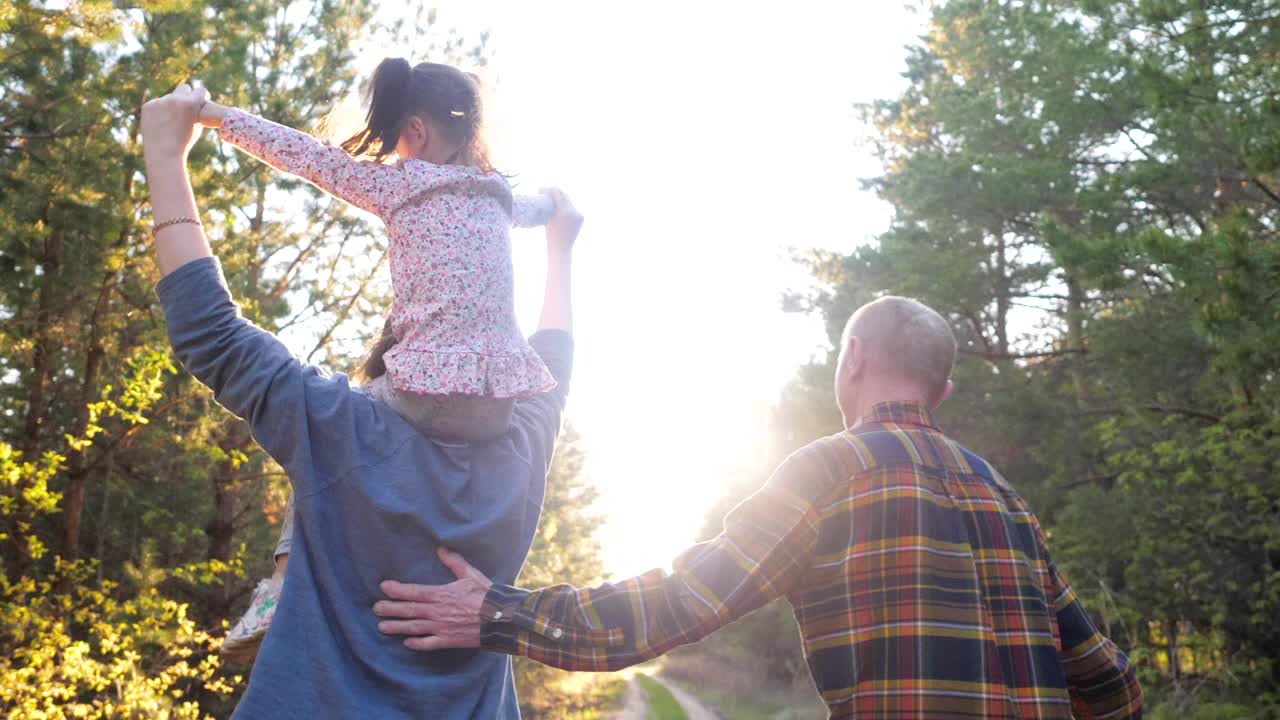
1265, 190
993, 356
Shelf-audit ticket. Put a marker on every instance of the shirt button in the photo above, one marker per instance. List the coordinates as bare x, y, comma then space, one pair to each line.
557, 633
497, 615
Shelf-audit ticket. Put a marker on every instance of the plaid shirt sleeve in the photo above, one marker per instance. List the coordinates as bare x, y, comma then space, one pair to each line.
764, 550
1100, 677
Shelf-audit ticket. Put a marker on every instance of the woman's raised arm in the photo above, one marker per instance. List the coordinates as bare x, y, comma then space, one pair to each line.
168, 132
562, 232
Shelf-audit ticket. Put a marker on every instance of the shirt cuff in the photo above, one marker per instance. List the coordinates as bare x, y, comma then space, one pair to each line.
510, 623
502, 619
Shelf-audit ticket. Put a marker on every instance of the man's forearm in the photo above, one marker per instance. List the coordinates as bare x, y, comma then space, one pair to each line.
638, 619
760, 555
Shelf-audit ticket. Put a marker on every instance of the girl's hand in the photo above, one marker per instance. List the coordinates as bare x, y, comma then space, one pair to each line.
211, 114
169, 123
563, 227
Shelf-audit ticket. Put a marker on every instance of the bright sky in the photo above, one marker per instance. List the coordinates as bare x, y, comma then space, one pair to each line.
701, 140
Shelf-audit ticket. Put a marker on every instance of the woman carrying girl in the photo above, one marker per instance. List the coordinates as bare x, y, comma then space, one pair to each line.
451, 359
374, 495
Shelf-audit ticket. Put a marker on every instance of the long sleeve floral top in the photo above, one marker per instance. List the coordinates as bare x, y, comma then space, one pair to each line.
451, 273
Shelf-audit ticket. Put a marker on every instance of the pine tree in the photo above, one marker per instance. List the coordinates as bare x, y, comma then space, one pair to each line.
113, 457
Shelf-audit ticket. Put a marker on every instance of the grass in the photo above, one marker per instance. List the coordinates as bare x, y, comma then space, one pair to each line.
662, 704
735, 705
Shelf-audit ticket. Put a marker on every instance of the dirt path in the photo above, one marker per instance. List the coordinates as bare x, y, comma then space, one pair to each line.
637, 704
693, 707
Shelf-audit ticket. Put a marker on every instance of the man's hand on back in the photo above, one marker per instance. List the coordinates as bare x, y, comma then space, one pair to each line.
436, 617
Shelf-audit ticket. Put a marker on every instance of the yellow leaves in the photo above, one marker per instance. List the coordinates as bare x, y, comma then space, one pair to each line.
82, 444
91, 20
28, 481
549, 528
141, 390
84, 654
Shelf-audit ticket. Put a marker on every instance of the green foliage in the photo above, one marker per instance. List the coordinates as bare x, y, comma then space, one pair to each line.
565, 550
1204, 711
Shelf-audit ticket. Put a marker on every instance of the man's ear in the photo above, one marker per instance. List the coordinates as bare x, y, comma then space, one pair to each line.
855, 358
946, 393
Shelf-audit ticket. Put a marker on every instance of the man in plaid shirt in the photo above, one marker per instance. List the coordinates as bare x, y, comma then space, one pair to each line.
920, 579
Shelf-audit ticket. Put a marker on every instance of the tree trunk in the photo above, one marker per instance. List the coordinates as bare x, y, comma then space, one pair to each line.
76, 465
42, 357
222, 526
1076, 298
103, 517
17, 555
1002, 296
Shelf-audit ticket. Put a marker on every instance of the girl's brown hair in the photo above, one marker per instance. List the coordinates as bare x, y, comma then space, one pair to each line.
398, 91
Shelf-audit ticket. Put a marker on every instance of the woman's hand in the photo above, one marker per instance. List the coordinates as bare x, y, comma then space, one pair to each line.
563, 227
169, 123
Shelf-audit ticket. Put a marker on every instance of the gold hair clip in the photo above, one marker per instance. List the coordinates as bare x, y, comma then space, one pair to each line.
457, 113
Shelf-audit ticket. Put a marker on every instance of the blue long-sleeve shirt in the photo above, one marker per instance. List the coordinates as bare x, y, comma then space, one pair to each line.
374, 499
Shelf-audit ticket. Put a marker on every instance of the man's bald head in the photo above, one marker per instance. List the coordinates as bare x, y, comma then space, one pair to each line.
906, 339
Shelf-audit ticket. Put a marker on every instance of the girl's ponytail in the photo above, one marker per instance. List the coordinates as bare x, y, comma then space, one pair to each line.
389, 104
450, 97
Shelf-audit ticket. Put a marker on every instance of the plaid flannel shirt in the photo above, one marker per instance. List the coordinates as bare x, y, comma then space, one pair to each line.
919, 578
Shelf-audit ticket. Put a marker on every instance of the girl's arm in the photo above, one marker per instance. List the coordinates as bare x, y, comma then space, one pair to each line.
250, 371
370, 186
